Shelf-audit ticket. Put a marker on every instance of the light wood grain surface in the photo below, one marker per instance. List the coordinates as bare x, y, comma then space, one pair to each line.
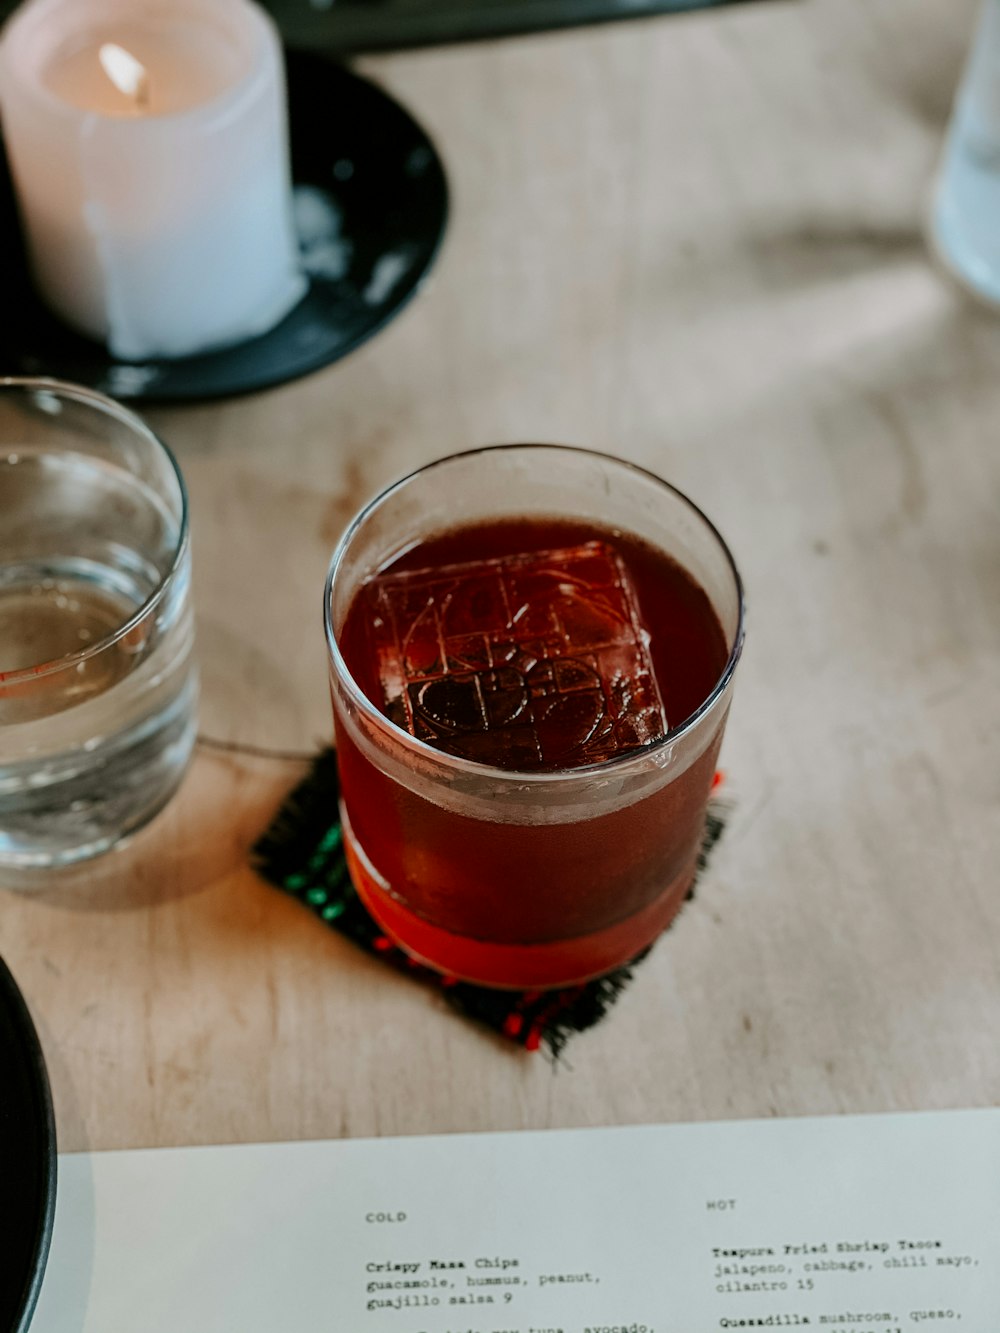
695, 242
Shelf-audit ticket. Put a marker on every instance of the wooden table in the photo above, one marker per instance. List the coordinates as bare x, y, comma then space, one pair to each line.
695, 242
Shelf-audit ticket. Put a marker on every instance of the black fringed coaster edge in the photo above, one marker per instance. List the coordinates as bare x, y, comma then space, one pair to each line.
302, 853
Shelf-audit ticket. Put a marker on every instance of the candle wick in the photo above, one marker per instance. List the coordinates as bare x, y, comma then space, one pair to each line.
128, 74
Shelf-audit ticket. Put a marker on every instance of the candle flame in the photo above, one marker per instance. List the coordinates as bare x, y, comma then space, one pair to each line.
127, 74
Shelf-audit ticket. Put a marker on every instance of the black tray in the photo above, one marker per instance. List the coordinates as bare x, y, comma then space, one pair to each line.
27, 1160
379, 25
372, 199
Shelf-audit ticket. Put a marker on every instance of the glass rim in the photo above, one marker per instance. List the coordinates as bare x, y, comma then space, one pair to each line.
472, 766
109, 407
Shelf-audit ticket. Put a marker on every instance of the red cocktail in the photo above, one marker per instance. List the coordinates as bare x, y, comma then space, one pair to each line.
529, 703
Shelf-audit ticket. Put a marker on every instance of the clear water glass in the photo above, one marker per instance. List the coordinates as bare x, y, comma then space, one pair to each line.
965, 216
98, 684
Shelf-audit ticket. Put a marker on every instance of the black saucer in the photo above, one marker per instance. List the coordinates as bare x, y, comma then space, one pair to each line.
371, 204
27, 1160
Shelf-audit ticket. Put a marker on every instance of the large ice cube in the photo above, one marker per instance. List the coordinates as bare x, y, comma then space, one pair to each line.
531, 661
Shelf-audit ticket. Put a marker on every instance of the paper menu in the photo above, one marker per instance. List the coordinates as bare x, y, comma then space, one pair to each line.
872, 1224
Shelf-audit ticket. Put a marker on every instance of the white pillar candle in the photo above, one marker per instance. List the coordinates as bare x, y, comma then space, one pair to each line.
149, 149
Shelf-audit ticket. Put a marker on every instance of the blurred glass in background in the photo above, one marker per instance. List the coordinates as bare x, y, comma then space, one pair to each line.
965, 218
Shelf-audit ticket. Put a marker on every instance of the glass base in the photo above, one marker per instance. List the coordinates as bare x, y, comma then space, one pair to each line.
113, 792
557, 964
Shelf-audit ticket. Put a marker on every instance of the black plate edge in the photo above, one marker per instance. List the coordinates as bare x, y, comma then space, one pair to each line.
43, 1097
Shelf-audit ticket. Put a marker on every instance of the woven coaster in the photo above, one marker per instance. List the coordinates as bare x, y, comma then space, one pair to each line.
303, 854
